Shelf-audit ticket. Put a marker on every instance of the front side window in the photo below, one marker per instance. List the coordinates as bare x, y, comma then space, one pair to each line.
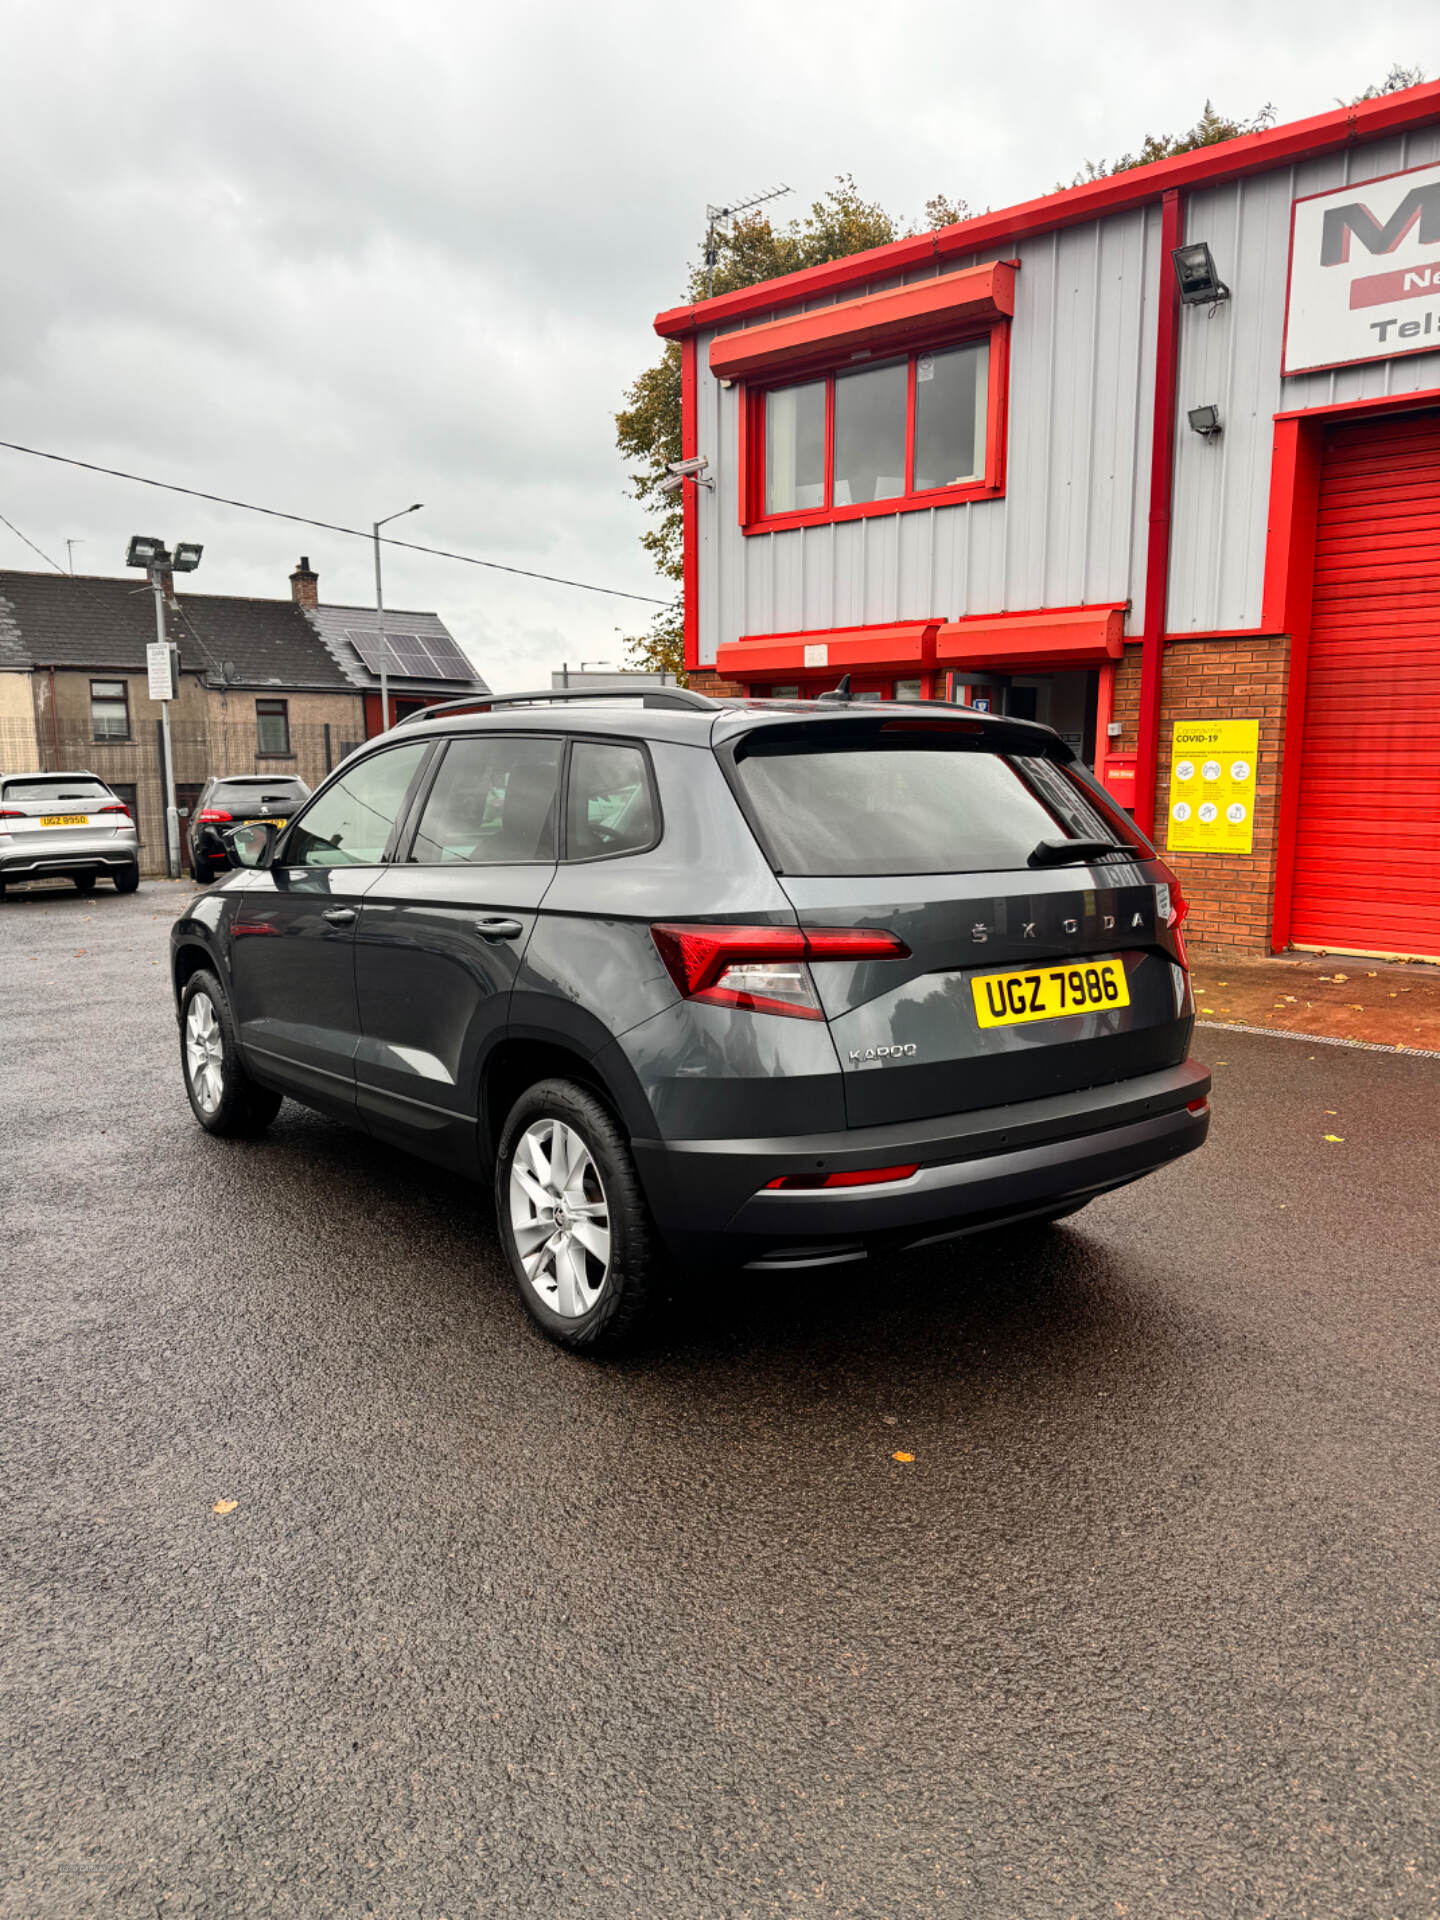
351, 822
272, 726
493, 803
611, 807
898, 431
109, 710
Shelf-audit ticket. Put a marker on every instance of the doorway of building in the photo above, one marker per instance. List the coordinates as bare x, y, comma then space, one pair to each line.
1068, 702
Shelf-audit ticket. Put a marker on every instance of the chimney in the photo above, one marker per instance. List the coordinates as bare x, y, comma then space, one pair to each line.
305, 584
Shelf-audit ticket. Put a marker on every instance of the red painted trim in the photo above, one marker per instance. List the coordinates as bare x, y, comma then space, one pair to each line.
1049, 638
886, 320
989, 486
1104, 714
776, 656
1162, 482
1289, 584
1360, 359
690, 505
1251, 153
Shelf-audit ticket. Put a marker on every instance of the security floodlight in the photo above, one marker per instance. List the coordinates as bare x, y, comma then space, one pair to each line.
143, 551
1205, 420
1195, 270
187, 555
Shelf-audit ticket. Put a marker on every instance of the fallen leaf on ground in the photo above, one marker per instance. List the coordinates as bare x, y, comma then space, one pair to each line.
906, 1457
225, 1506
1336, 1139
1342, 976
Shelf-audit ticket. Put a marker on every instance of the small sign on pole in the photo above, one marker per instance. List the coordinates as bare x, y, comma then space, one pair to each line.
160, 670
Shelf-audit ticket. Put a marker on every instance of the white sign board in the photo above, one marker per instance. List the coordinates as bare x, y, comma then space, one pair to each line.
1364, 272
817, 654
159, 671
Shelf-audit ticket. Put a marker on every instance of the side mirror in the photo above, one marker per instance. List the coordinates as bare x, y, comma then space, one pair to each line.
252, 845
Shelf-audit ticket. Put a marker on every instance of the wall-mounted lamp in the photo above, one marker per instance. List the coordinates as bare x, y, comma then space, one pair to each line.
1200, 284
1205, 420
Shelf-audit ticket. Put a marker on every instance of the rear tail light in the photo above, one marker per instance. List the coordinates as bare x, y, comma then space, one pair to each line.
1172, 907
859, 1177
11, 813
764, 969
213, 814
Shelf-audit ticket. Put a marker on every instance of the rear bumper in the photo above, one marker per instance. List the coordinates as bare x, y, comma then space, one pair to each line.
974, 1170
96, 856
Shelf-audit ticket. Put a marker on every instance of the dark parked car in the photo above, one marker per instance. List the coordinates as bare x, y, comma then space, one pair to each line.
792, 983
66, 826
237, 800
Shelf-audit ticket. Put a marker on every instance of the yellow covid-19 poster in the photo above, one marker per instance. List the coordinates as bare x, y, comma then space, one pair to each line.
1212, 786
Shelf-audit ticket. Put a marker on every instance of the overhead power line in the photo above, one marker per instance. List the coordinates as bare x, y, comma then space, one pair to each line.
329, 526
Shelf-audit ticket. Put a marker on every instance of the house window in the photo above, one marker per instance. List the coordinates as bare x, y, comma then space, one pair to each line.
908, 432
272, 727
109, 710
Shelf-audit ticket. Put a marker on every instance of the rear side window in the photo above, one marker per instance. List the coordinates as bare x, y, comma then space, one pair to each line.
611, 807
493, 803
897, 807
77, 787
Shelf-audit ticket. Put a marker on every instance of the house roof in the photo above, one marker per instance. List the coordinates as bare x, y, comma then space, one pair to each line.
340, 627
79, 620
1252, 153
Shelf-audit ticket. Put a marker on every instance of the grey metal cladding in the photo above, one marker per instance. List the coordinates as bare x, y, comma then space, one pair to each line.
1232, 359
1070, 526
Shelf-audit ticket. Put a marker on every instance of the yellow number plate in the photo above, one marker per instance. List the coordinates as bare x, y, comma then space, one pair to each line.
277, 824
64, 819
1009, 999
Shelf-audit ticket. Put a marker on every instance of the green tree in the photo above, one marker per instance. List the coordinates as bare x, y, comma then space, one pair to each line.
1395, 81
647, 428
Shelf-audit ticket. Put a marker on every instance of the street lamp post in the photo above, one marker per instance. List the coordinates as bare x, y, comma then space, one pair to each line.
159, 563
380, 613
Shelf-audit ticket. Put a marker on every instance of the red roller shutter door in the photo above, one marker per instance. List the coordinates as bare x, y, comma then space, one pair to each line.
1367, 847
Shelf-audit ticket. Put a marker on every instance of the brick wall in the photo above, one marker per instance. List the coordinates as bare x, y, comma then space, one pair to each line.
1230, 894
707, 680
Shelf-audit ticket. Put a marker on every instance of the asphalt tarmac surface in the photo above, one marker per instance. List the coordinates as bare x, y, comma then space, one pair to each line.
1147, 1627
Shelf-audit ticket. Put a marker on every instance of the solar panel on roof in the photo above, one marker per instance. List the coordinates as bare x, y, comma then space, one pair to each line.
414, 656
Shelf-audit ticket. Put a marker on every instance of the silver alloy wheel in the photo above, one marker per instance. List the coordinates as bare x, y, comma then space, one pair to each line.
204, 1052
560, 1217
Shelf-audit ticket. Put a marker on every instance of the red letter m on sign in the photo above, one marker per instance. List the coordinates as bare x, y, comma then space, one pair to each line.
1421, 204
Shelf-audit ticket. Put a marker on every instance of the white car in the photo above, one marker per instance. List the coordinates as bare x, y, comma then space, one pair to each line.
68, 826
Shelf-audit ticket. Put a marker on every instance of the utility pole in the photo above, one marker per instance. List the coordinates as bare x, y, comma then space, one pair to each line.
70, 546
160, 665
380, 613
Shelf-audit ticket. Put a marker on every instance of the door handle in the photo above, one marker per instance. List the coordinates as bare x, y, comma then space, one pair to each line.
499, 929
339, 916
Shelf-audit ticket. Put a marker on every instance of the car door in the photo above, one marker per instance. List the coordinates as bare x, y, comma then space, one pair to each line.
292, 934
441, 936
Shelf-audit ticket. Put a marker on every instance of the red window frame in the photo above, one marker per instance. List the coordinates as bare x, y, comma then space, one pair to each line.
989, 485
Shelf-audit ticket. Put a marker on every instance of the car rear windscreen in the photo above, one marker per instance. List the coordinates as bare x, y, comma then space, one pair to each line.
56, 787
911, 807
251, 793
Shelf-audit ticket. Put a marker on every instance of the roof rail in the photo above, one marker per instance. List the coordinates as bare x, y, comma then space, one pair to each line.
647, 696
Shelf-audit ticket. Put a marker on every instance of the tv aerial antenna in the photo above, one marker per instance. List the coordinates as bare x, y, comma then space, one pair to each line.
717, 218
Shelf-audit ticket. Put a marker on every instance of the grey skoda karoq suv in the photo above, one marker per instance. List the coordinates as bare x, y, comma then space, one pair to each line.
788, 983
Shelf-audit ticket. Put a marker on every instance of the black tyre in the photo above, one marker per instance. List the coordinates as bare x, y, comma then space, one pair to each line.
223, 1097
573, 1220
84, 882
127, 879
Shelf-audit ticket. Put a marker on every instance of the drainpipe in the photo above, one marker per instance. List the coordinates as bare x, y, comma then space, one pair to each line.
1162, 488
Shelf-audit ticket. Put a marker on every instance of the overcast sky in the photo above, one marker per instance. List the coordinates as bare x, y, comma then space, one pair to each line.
336, 258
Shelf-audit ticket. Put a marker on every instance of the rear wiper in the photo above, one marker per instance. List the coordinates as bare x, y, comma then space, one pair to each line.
1064, 853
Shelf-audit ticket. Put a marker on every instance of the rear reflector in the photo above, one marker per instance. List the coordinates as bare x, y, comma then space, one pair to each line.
764, 969
858, 1177
1202, 1105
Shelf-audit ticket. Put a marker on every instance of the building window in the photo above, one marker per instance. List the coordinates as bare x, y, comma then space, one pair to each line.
272, 727
109, 710
910, 432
